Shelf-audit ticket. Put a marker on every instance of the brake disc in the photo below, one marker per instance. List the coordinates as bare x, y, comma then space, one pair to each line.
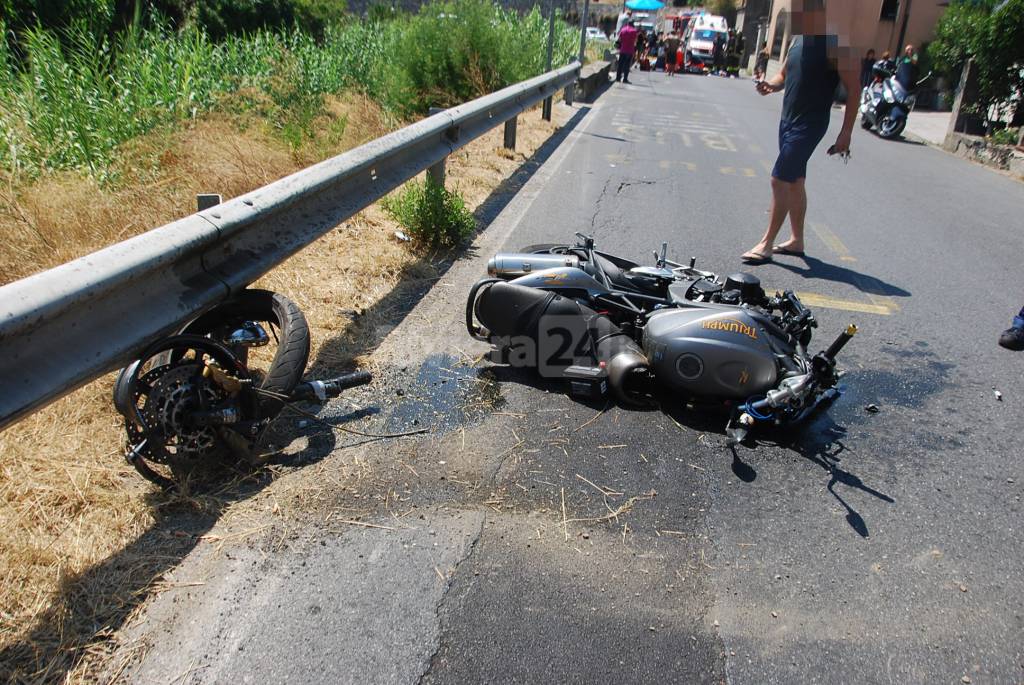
175, 391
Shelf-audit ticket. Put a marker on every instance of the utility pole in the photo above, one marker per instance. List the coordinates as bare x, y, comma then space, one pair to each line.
903, 28
583, 29
546, 110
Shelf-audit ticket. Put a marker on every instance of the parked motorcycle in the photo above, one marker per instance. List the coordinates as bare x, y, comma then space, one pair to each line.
608, 325
211, 391
885, 104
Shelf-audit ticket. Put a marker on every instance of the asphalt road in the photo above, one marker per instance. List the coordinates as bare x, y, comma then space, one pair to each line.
551, 541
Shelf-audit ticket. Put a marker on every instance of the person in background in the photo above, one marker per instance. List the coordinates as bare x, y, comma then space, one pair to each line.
866, 77
1013, 337
906, 69
671, 52
761, 63
718, 54
814, 67
641, 47
627, 48
887, 62
624, 17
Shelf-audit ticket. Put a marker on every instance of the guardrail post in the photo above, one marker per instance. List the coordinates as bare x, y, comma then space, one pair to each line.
569, 89
545, 111
436, 172
207, 200
510, 133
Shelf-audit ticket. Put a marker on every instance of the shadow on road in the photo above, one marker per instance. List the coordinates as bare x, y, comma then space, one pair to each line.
818, 439
816, 269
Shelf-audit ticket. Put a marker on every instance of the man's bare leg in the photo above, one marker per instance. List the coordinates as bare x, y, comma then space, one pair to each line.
780, 207
797, 212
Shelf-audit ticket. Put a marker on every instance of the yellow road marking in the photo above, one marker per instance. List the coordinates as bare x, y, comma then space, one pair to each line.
832, 241
861, 283
767, 165
815, 300
668, 164
718, 141
755, 149
728, 170
748, 172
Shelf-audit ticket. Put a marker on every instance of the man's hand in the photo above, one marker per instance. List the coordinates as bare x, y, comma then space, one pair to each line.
766, 87
842, 144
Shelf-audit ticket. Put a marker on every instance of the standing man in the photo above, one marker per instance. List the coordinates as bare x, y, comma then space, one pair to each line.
810, 75
671, 52
906, 69
627, 48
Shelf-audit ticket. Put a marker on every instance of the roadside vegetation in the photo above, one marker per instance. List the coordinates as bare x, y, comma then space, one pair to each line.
991, 32
110, 122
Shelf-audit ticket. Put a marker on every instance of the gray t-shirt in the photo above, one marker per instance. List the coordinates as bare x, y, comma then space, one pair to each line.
811, 81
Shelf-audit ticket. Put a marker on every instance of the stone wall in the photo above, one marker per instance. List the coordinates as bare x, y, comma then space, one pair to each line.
981, 150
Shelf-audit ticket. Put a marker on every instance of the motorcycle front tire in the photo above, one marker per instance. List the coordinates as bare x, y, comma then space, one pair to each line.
889, 129
292, 354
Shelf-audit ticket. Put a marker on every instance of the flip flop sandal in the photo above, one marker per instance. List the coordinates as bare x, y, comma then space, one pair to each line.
754, 261
787, 251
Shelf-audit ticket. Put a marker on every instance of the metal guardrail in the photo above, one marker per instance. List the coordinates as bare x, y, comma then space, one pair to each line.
67, 326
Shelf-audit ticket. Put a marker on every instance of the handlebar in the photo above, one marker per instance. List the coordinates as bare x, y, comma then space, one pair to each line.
323, 390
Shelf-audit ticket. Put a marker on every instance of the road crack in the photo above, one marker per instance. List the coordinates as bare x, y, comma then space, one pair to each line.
439, 610
628, 184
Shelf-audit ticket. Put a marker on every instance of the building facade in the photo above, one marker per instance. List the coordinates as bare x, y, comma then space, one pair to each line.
879, 24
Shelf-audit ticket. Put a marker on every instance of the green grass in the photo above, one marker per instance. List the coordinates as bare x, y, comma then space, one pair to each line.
431, 214
70, 100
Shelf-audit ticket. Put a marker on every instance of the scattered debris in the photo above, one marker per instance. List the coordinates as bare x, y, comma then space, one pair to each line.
999, 395
872, 409
775, 614
966, 679
403, 237
963, 588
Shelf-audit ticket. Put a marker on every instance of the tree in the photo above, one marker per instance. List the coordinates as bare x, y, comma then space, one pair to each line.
992, 33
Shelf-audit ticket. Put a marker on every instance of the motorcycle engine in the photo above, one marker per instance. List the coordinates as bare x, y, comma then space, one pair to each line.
710, 352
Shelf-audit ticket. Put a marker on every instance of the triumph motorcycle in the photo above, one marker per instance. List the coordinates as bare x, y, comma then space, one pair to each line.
211, 391
610, 326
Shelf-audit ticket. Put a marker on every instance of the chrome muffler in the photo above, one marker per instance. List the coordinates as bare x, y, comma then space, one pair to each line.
514, 265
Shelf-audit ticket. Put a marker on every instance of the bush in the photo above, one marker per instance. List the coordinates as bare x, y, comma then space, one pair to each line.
431, 214
455, 51
991, 32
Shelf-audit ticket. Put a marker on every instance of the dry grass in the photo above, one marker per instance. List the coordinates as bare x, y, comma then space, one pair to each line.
82, 538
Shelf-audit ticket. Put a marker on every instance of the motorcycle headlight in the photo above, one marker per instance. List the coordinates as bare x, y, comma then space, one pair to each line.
887, 93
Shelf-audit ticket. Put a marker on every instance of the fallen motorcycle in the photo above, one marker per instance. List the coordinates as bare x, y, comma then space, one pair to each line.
608, 325
211, 391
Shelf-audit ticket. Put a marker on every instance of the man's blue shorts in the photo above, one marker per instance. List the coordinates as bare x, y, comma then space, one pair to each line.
796, 145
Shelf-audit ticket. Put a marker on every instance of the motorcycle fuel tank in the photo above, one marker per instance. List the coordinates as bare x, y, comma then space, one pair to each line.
710, 353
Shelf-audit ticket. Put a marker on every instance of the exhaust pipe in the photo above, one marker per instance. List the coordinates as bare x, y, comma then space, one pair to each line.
513, 265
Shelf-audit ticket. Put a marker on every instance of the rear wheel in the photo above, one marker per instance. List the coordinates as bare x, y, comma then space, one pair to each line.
865, 124
544, 248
